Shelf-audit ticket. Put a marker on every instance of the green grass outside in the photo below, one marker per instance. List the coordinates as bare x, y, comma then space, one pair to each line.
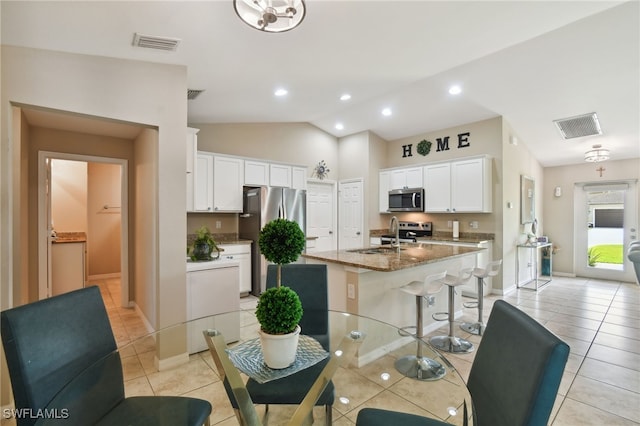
606, 253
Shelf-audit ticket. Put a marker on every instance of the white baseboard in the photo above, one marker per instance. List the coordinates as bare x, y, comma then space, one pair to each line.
564, 274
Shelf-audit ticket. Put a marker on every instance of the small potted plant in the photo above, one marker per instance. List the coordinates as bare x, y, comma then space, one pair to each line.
279, 308
204, 245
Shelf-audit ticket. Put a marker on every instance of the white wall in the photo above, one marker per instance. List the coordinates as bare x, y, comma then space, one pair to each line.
558, 211
137, 92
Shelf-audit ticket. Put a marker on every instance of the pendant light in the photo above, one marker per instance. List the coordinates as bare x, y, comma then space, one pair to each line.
272, 16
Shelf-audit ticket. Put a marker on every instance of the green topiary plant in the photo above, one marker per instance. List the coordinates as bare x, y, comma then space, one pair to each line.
279, 309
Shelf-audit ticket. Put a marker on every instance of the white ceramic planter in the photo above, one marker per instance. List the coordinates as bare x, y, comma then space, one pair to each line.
279, 350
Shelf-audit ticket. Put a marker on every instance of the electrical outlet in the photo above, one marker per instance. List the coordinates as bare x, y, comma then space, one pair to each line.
351, 291
218, 224
449, 224
473, 224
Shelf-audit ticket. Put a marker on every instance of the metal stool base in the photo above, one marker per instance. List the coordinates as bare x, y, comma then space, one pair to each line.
420, 368
476, 328
451, 344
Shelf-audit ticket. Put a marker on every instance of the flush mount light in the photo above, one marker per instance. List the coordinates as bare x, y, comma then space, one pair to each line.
339, 126
345, 97
597, 154
386, 112
281, 92
272, 16
455, 90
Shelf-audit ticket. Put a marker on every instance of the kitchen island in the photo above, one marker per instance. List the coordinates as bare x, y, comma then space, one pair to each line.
366, 281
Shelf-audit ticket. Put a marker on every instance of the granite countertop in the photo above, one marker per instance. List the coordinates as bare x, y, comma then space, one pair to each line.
464, 238
411, 255
70, 237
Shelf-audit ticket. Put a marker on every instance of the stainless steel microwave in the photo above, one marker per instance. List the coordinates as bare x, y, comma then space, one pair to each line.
406, 200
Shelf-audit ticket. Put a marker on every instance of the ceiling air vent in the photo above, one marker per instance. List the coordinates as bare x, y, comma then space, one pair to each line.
578, 126
193, 93
155, 42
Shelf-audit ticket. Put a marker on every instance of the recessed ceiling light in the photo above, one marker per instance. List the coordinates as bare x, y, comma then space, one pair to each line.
386, 112
455, 90
345, 97
339, 126
280, 92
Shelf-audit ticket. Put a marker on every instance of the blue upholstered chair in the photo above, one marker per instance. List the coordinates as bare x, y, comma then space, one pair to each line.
514, 378
62, 357
310, 282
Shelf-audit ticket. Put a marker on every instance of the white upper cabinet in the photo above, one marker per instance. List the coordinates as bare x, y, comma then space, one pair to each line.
203, 183
280, 175
192, 152
471, 185
256, 173
437, 188
461, 186
406, 178
299, 177
228, 178
384, 185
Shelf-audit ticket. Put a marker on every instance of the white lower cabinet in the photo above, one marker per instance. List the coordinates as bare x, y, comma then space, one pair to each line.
212, 289
67, 267
240, 253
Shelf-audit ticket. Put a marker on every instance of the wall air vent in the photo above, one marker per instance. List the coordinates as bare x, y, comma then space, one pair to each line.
155, 42
193, 93
578, 126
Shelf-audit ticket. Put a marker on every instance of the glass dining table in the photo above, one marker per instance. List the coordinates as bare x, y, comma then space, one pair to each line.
192, 358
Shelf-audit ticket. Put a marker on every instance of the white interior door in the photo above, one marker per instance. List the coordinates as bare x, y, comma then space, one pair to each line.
322, 214
351, 214
606, 221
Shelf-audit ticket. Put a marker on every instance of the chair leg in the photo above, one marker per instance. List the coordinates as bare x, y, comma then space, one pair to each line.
477, 327
451, 343
328, 416
417, 366
207, 422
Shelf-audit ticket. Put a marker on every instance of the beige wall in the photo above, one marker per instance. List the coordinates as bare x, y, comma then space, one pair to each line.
44, 139
137, 92
104, 236
69, 195
296, 143
558, 211
516, 161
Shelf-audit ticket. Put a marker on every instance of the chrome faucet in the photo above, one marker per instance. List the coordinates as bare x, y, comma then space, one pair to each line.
394, 227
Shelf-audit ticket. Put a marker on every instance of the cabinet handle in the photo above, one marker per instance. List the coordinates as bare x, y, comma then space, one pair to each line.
358, 233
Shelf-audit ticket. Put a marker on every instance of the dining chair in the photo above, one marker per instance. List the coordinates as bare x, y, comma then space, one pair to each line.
514, 377
63, 360
311, 284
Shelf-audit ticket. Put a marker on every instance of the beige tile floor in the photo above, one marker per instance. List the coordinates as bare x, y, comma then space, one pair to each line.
600, 320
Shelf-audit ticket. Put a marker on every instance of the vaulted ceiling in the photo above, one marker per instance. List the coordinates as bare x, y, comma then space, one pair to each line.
529, 61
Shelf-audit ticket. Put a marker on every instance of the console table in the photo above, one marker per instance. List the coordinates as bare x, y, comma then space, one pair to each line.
535, 282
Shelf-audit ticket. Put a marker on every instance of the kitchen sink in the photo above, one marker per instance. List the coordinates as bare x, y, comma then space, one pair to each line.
375, 250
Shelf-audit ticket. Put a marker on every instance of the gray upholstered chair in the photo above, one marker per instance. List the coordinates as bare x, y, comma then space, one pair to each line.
633, 255
310, 282
514, 377
62, 358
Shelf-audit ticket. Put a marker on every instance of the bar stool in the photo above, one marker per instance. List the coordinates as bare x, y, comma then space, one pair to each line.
491, 270
418, 366
451, 343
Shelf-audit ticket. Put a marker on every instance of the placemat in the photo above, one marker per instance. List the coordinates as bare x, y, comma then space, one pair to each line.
247, 357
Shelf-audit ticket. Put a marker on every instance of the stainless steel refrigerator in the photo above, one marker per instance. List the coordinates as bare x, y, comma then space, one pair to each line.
262, 205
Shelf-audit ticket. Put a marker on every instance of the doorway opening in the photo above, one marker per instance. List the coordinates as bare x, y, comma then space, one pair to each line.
605, 225
83, 196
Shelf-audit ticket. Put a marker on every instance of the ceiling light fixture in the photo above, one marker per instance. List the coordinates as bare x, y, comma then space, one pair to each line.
272, 16
339, 126
597, 154
386, 112
345, 97
280, 92
455, 90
